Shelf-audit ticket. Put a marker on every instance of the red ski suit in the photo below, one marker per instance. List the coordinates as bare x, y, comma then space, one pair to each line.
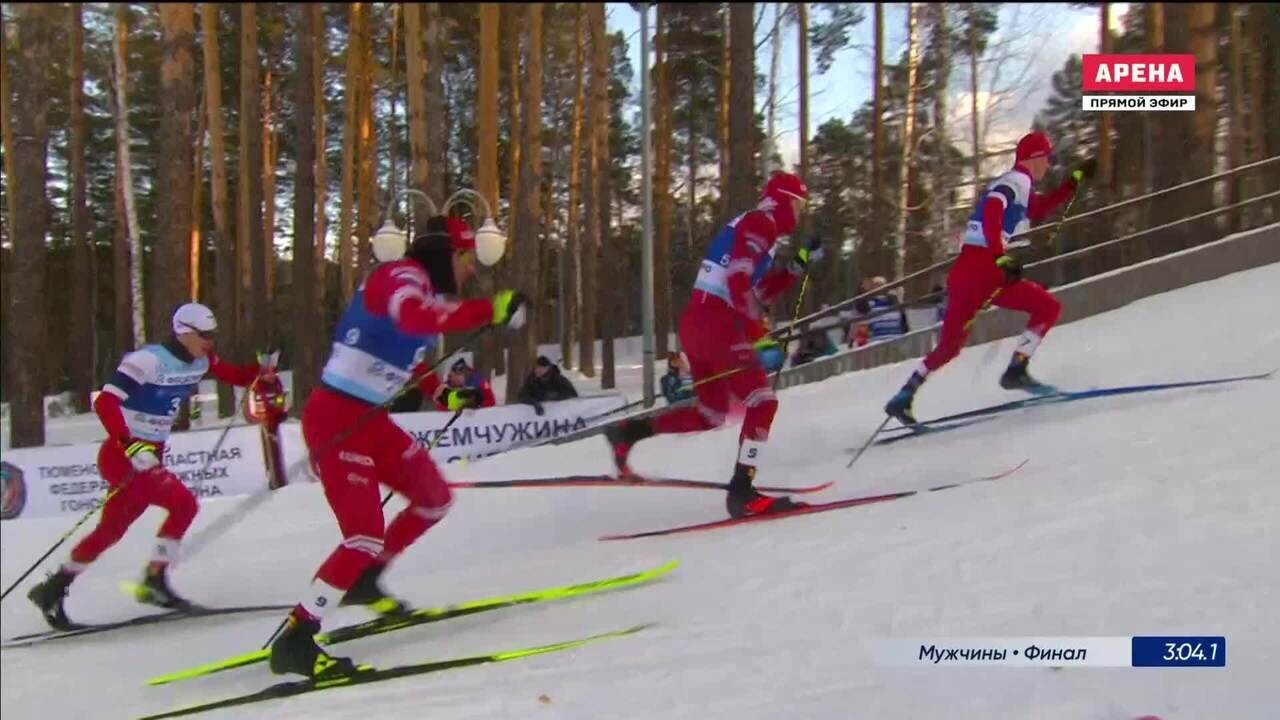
397, 301
157, 486
975, 278
717, 335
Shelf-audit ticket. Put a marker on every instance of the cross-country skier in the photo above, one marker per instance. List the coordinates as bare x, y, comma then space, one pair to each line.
717, 331
137, 407
388, 329
986, 272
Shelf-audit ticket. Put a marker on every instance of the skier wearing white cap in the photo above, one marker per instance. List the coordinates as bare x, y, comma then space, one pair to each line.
137, 407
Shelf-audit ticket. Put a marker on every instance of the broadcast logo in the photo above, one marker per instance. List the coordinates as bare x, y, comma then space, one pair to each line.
1138, 82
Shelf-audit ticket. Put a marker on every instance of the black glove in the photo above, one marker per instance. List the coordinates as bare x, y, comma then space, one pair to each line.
1085, 170
1011, 267
537, 408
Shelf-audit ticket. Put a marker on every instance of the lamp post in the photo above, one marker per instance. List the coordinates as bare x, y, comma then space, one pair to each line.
389, 242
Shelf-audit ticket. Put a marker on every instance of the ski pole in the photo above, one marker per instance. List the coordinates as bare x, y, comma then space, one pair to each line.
246, 506
804, 285
430, 446
112, 493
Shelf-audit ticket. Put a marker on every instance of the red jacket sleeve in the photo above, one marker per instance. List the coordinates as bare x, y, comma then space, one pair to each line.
489, 399
405, 294
429, 383
1039, 206
752, 237
993, 224
775, 282
239, 375
107, 406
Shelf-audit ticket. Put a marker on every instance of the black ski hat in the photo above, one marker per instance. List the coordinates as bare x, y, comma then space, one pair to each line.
433, 250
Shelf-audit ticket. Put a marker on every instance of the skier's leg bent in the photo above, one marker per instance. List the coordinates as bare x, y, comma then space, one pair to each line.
417, 478
1044, 310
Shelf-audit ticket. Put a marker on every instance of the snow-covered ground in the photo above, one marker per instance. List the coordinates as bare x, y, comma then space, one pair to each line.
1141, 514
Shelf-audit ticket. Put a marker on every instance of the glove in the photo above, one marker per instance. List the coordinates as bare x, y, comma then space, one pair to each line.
812, 252
459, 398
537, 408
143, 455
1011, 267
267, 363
1085, 171
765, 343
509, 308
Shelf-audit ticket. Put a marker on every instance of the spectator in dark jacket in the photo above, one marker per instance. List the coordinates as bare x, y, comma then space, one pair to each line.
545, 384
675, 386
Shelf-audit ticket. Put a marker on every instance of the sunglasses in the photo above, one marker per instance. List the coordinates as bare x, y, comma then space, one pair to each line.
204, 334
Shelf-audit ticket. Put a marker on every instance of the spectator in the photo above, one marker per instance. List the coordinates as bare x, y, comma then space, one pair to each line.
545, 384
675, 384
882, 322
815, 344
462, 375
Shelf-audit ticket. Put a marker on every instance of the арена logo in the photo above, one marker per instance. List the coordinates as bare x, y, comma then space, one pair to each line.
1129, 82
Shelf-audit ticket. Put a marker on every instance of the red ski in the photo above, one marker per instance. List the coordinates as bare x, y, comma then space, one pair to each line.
634, 481
808, 509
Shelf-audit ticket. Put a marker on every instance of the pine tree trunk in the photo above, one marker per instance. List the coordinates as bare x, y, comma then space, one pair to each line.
1203, 156
768, 161
137, 304
6, 132
415, 72
876, 264
1106, 173
723, 116
256, 315
306, 339
393, 91
522, 347
662, 182
322, 163
487, 159
942, 177
1237, 125
515, 27
802, 27
26, 333
908, 142
170, 282
597, 161
609, 293
573, 249
437, 123
742, 190
366, 151
351, 100
226, 257
123, 305
269, 153
196, 245
82, 325
973, 102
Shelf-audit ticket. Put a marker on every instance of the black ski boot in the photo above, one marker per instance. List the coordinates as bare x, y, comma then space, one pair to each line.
48, 596
366, 591
1016, 377
155, 590
622, 436
743, 500
295, 651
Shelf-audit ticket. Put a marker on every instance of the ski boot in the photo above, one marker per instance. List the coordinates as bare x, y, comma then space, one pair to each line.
295, 651
622, 437
899, 406
49, 595
1016, 377
155, 590
744, 501
367, 592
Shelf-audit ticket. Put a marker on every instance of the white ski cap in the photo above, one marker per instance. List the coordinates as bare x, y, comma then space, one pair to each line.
193, 317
